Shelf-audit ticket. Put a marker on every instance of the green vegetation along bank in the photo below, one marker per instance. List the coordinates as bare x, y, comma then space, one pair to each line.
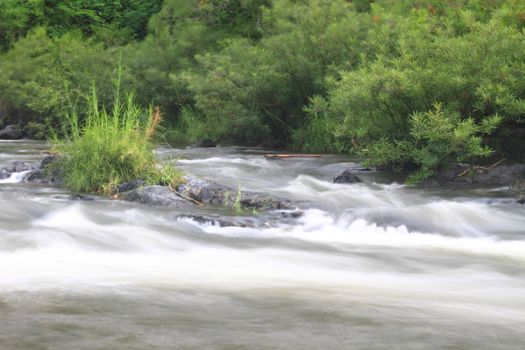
409, 84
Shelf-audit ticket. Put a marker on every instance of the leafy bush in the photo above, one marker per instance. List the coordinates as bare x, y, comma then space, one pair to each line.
113, 22
474, 75
261, 87
42, 77
436, 138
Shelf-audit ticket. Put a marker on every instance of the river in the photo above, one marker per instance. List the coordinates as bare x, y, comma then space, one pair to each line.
376, 265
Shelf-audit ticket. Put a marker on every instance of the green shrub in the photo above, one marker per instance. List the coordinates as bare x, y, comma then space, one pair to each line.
474, 75
261, 87
436, 139
109, 148
42, 76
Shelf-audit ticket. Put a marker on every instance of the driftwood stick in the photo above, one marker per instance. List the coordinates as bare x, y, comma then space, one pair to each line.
466, 171
290, 155
497, 163
183, 196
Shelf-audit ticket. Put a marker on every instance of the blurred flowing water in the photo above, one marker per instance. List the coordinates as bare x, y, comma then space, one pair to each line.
375, 265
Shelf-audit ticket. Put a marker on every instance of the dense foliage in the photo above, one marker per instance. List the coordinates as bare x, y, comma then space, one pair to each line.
410, 84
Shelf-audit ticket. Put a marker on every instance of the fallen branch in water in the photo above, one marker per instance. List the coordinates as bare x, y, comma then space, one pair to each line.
287, 156
482, 168
194, 201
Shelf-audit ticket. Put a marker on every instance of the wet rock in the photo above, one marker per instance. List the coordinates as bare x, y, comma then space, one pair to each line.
75, 197
293, 214
36, 176
203, 191
259, 201
461, 176
48, 176
206, 143
161, 196
4, 174
11, 132
207, 192
19, 167
346, 177
47, 161
521, 200
80, 197
130, 185
44, 173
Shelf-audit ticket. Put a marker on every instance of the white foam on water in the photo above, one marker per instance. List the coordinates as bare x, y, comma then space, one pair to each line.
16, 177
68, 249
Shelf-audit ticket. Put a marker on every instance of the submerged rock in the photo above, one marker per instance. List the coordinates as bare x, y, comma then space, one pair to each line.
11, 132
81, 197
75, 197
161, 196
346, 177
222, 221
262, 220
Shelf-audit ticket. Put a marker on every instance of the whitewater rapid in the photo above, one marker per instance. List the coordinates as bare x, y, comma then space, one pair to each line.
367, 266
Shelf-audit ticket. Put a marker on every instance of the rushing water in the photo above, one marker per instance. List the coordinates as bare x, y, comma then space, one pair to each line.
368, 266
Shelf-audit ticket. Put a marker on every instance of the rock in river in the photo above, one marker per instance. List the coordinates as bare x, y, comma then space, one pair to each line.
346, 177
208, 192
161, 196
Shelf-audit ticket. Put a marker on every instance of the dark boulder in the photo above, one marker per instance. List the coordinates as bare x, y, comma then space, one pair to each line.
130, 185
11, 132
206, 143
346, 177
48, 175
19, 167
161, 196
47, 161
207, 192
36, 176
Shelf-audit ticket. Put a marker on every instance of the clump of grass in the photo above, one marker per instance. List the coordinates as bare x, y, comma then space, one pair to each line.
105, 149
